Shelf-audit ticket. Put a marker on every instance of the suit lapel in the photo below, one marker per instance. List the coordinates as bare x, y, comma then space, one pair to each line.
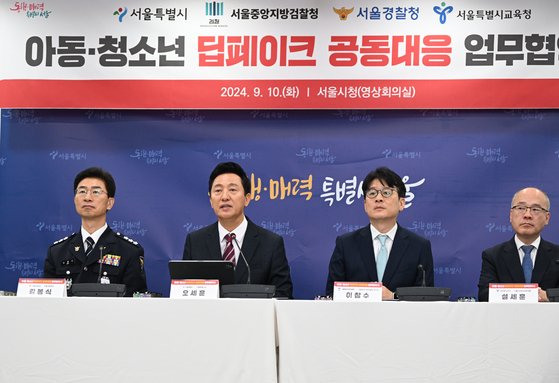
367, 252
399, 247
543, 260
77, 243
213, 242
512, 261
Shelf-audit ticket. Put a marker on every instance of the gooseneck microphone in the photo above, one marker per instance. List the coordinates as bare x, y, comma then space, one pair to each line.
234, 237
101, 248
420, 267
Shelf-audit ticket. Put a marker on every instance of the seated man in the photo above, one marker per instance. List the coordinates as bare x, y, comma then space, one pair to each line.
526, 258
76, 258
264, 251
382, 251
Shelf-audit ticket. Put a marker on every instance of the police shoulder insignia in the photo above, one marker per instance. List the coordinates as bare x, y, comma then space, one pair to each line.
64, 239
129, 240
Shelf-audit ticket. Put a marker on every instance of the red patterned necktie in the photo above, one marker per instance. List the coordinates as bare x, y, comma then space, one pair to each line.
229, 253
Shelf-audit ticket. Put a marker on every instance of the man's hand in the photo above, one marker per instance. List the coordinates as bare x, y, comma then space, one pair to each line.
542, 295
387, 294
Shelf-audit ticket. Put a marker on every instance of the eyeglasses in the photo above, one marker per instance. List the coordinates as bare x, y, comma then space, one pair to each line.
94, 192
385, 192
535, 210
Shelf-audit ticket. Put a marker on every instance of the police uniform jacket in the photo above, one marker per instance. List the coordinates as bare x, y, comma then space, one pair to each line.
123, 261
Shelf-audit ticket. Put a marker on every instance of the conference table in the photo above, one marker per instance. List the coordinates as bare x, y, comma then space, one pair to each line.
417, 342
136, 340
246, 340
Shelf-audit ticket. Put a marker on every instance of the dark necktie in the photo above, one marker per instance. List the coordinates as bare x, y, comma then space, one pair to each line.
90, 243
229, 253
527, 265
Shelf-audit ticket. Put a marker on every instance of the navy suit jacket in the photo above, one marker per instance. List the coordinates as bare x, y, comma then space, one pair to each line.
353, 260
501, 264
263, 250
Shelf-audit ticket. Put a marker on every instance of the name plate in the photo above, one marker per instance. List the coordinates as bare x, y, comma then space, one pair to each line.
513, 293
358, 291
194, 289
41, 288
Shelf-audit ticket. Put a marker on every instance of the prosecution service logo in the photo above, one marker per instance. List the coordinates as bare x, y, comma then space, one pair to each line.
343, 13
442, 11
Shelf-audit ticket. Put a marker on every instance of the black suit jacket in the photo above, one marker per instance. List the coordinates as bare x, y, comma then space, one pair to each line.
66, 259
353, 260
501, 264
263, 250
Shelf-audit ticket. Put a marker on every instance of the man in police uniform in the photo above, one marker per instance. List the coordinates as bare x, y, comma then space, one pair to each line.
76, 258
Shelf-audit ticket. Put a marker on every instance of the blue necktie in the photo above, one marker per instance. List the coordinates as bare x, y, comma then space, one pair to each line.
90, 242
382, 258
527, 265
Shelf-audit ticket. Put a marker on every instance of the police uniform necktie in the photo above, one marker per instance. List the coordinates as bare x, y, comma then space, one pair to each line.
229, 253
382, 258
90, 243
527, 265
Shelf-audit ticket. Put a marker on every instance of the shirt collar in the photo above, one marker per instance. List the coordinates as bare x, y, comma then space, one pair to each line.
391, 233
519, 243
239, 231
95, 236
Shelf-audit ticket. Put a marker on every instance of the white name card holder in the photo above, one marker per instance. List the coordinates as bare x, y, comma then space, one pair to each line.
358, 291
41, 288
194, 289
513, 293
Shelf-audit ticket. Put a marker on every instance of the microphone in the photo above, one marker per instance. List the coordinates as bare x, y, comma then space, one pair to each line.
234, 237
420, 267
101, 248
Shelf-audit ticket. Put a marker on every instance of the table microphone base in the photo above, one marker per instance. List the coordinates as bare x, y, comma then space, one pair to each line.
418, 293
248, 291
97, 290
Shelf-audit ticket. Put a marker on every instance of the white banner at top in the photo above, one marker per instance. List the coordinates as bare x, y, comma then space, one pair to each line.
239, 52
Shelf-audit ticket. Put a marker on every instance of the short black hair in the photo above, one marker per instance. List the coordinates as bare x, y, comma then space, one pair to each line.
100, 174
233, 168
388, 178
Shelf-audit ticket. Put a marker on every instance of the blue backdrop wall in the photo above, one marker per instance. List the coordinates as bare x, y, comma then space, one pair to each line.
461, 169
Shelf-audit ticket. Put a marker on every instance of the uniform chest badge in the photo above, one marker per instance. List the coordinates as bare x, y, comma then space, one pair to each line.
77, 248
110, 259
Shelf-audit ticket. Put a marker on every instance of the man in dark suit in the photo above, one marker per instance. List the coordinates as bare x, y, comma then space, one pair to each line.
76, 258
526, 258
264, 251
382, 248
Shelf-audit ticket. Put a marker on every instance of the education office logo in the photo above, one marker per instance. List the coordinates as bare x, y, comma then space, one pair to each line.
343, 13
121, 12
214, 9
442, 11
